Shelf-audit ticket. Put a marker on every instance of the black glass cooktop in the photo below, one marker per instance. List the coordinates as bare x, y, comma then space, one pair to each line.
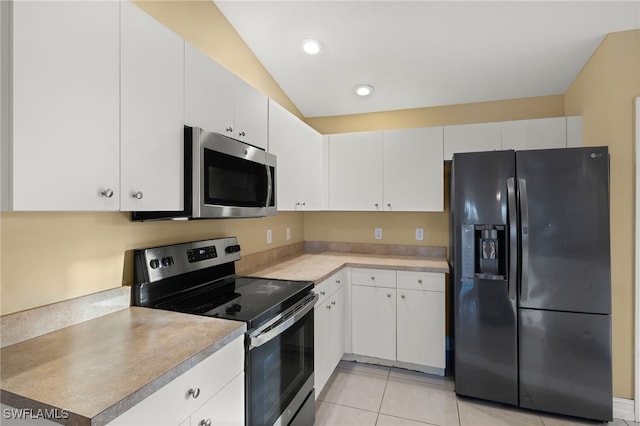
252, 300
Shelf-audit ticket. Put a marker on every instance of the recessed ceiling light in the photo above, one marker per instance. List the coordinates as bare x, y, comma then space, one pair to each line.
364, 90
311, 46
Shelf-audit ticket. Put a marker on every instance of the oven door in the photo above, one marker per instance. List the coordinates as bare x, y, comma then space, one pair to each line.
280, 370
231, 178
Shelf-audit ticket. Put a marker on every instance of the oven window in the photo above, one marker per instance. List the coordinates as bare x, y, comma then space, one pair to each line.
277, 371
233, 181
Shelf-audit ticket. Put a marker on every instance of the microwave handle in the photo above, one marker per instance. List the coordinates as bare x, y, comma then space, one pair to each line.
269, 185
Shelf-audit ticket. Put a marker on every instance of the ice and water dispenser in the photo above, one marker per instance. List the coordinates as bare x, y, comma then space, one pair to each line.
484, 251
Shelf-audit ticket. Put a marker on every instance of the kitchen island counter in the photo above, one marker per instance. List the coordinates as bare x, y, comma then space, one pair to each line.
90, 373
317, 267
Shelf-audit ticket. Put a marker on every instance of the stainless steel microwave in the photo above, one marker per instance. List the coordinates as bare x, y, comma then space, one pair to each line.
223, 178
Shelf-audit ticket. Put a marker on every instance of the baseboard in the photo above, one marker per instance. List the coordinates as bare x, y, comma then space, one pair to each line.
623, 409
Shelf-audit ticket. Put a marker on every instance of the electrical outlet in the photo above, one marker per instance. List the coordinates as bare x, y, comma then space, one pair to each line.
288, 233
269, 238
378, 233
419, 234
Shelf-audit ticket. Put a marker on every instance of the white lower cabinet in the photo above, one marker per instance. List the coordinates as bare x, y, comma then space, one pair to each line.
329, 320
213, 389
399, 316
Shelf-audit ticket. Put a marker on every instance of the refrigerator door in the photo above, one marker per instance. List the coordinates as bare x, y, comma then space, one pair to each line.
485, 326
565, 363
564, 201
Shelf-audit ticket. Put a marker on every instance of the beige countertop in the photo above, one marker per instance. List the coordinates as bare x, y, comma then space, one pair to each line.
99, 368
318, 267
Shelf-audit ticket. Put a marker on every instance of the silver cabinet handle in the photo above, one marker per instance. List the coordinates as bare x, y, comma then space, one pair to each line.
328, 306
403, 296
242, 134
419, 281
389, 205
337, 281
373, 278
137, 195
323, 293
107, 192
377, 205
204, 422
193, 393
229, 129
304, 204
389, 295
333, 302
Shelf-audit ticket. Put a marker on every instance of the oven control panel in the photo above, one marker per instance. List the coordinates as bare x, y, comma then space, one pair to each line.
158, 263
202, 253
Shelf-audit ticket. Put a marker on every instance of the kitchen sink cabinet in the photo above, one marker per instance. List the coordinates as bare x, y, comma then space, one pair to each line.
329, 328
394, 170
299, 150
151, 113
399, 317
218, 101
65, 111
217, 381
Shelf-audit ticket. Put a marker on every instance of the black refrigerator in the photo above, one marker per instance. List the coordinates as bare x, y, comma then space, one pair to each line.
531, 279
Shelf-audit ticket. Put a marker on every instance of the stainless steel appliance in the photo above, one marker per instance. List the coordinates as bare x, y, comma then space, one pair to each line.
531, 274
223, 177
199, 278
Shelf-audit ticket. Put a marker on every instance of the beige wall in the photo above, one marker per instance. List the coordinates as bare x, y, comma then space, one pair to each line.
604, 94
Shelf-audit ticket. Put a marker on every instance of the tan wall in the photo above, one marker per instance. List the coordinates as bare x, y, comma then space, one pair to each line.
604, 94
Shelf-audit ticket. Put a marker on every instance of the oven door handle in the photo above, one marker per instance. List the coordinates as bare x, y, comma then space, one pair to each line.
278, 326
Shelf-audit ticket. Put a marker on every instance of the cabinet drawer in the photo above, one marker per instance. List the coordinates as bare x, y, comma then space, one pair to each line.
413, 280
373, 277
173, 403
323, 290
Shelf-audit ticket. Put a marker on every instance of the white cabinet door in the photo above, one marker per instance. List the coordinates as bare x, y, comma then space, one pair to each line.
209, 93
421, 327
282, 142
322, 342
152, 98
471, 138
413, 170
226, 408
66, 99
337, 328
251, 112
574, 131
373, 311
309, 161
355, 171
540, 133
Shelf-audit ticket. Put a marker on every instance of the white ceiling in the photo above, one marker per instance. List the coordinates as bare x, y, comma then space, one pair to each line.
424, 53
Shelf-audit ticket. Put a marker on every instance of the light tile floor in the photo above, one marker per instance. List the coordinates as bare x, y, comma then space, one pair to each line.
363, 394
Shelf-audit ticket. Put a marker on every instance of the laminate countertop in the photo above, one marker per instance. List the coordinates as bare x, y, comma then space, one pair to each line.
320, 266
96, 370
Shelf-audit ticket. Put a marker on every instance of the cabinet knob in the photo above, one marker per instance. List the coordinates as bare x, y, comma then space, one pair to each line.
304, 204
328, 306
337, 281
373, 278
403, 296
193, 393
297, 204
107, 192
389, 206
389, 295
242, 134
229, 129
322, 293
377, 205
137, 195
419, 281
333, 302
204, 422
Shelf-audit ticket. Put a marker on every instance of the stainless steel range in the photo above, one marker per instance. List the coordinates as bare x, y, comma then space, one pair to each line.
199, 278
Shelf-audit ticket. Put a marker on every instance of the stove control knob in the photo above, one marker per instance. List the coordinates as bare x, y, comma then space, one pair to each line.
154, 263
232, 249
167, 261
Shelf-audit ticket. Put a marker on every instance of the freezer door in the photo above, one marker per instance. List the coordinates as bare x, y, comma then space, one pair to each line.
486, 359
565, 363
564, 208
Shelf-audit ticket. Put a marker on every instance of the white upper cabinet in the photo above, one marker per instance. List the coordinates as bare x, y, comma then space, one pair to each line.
298, 149
395, 170
413, 170
574, 131
471, 138
65, 116
540, 133
152, 94
218, 101
355, 171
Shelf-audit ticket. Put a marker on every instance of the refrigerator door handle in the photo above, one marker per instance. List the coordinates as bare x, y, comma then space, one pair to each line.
513, 237
524, 238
